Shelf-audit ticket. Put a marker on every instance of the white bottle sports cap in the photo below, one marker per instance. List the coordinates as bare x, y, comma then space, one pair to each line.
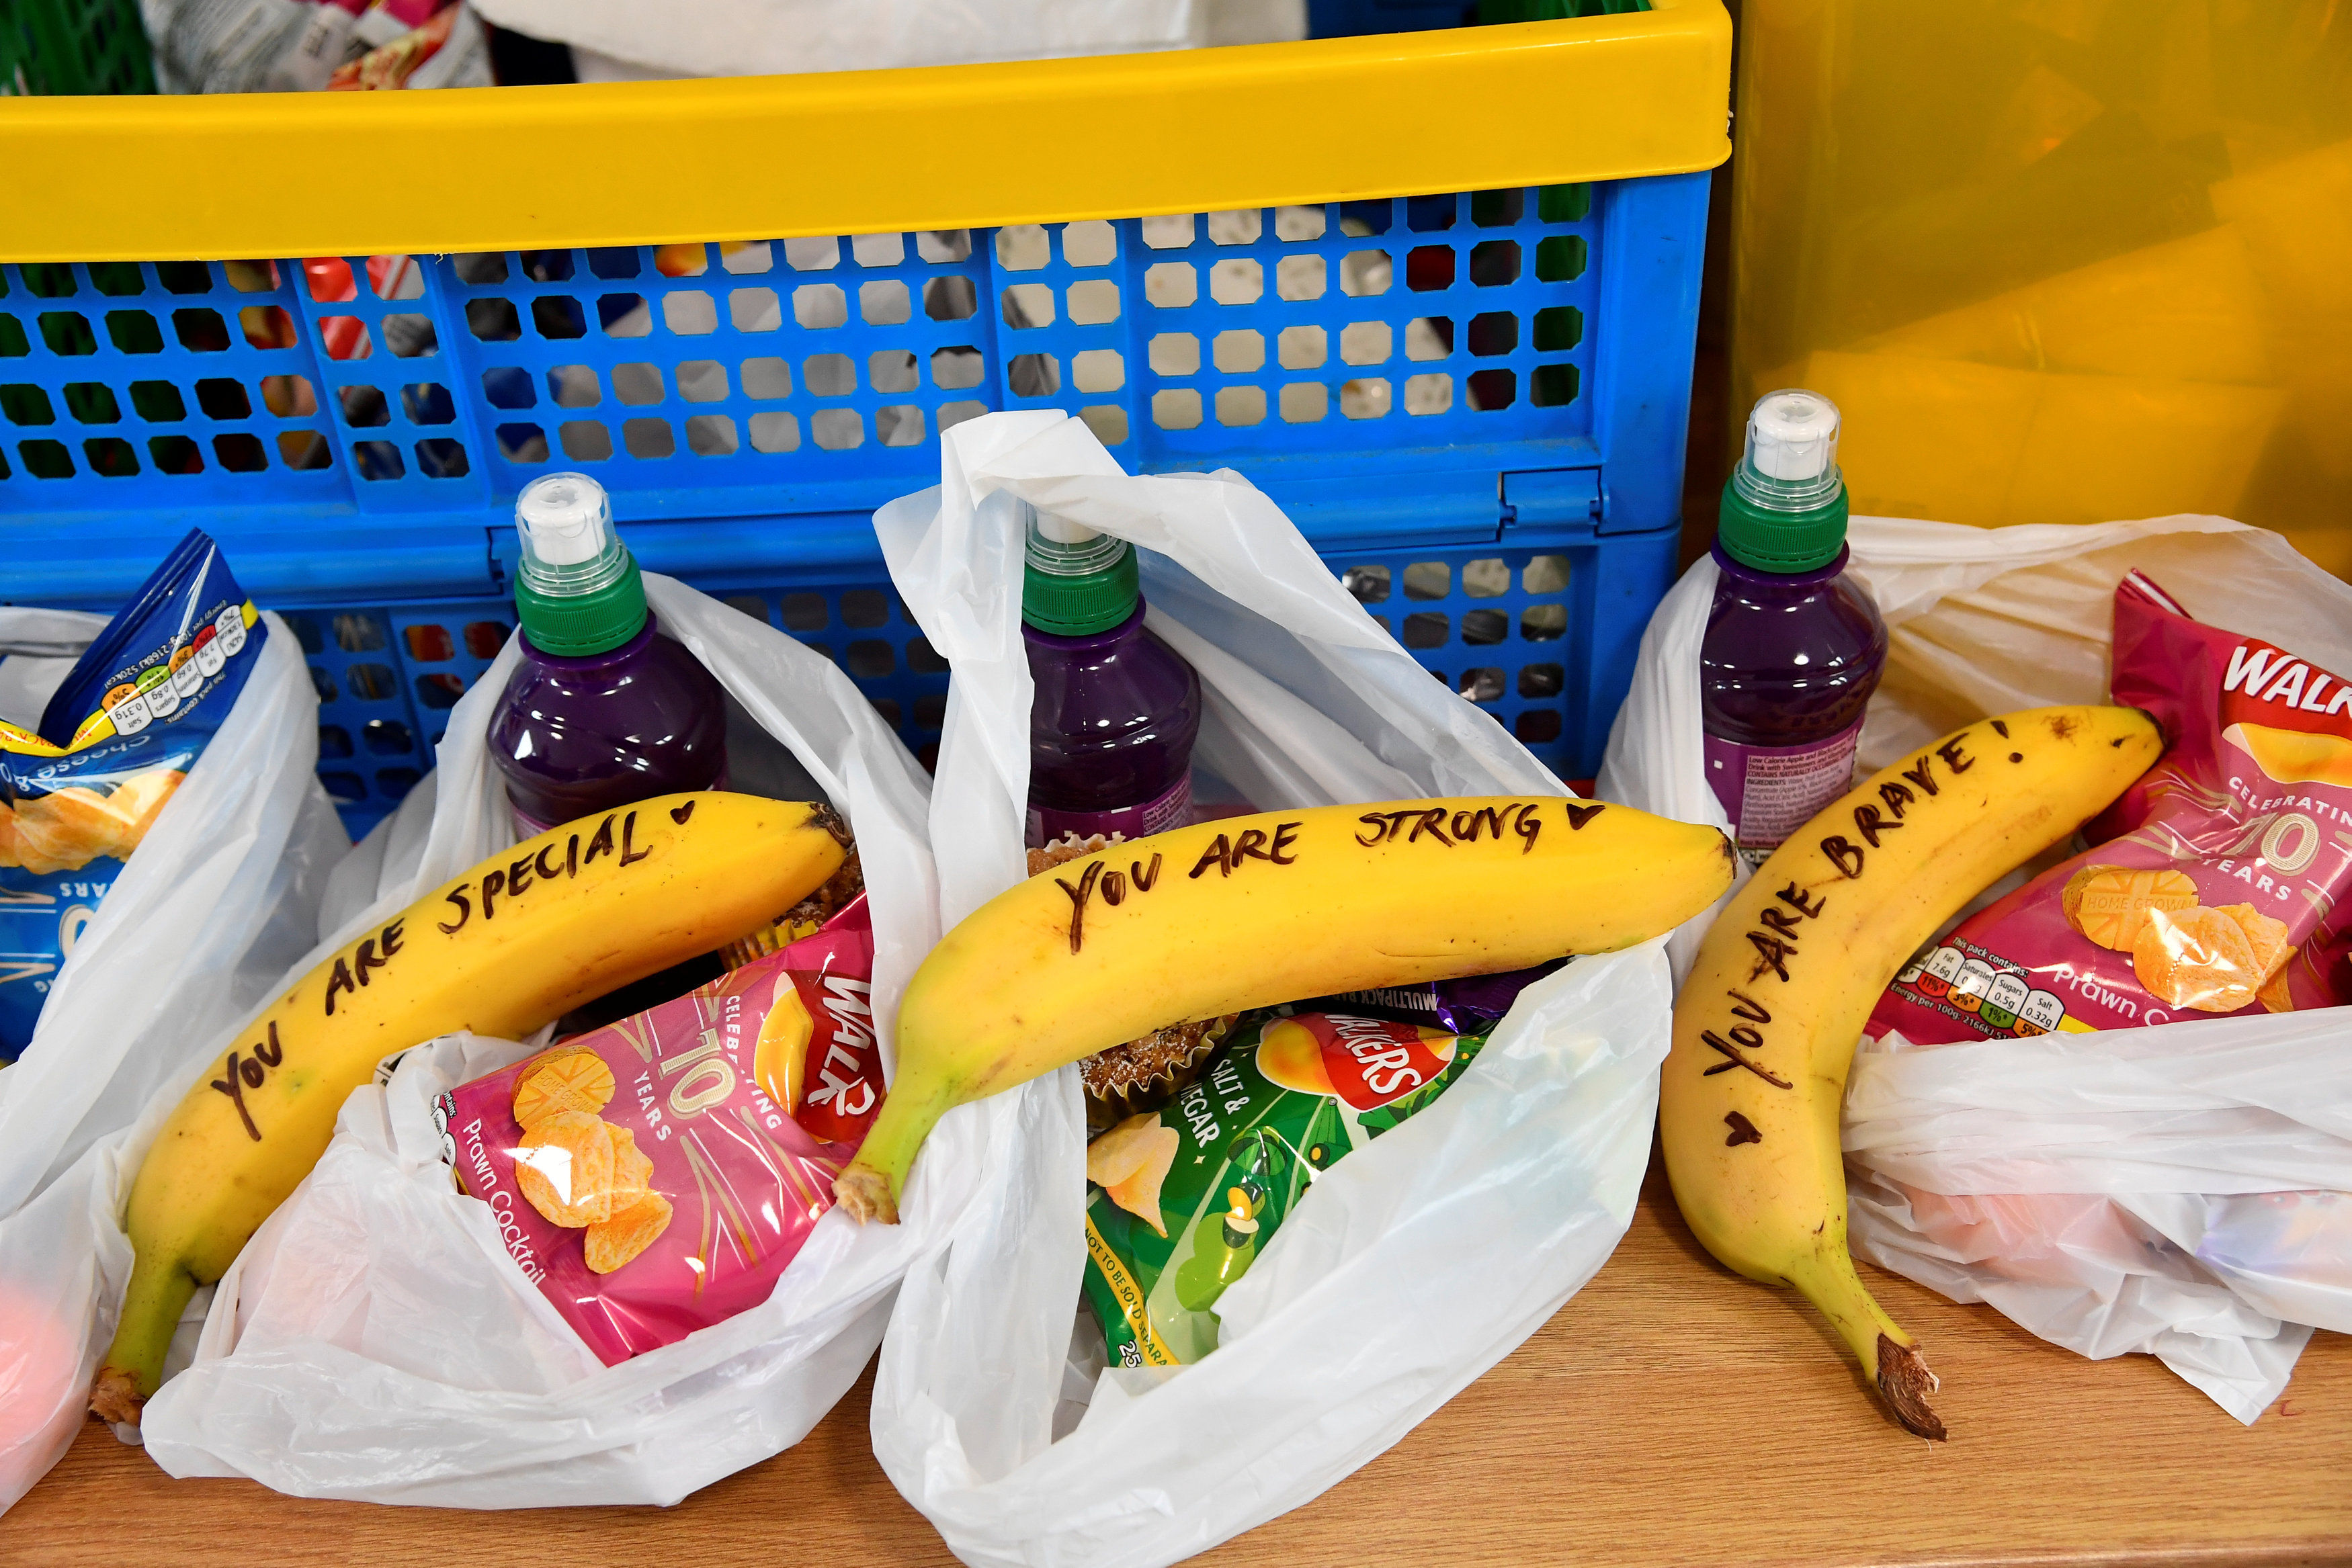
1793, 434
565, 519
1060, 547
1063, 532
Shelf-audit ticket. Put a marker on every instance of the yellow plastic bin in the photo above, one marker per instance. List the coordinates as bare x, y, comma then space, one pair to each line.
2062, 261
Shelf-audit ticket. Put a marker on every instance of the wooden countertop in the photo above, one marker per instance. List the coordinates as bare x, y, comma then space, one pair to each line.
1669, 1413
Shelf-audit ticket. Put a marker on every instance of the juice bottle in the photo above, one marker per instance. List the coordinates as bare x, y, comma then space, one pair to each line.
1115, 713
603, 710
1794, 646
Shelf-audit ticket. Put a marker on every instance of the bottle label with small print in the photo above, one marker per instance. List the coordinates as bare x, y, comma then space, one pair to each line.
1770, 791
1171, 810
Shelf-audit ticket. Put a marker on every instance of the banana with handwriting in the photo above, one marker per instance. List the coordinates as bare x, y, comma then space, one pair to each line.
1248, 912
519, 940
1766, 1025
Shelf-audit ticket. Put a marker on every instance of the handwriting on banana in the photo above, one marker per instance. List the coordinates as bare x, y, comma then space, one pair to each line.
251, 1068
1740, 1044
1227, 856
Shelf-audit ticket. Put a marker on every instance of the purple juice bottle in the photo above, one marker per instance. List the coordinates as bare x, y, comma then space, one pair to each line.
603, 711
1116, 712
1794, 646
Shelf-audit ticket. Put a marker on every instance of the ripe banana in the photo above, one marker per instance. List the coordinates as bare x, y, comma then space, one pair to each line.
522, 938
1252, 911
1766, 1025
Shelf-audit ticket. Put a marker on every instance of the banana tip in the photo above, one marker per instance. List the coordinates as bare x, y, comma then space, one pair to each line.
831, 821
1905, 1380
866, 1194
115, 1396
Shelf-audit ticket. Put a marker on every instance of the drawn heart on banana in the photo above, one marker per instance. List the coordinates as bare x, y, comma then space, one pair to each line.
1768, 1019
1517, 824
1248, 912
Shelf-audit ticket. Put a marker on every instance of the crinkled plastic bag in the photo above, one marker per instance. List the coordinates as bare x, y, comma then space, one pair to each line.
2177, 1191
1419, 1262
204, 920
375, 1340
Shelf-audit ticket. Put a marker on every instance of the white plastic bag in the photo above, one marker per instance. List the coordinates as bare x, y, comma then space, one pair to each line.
2127, 1190
376, 1342
1415, 1264
220, 897
763, 37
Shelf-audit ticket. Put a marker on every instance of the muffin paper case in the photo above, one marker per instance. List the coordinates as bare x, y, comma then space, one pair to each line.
2184, 1191
375, 1340
204, 920
1416, 1263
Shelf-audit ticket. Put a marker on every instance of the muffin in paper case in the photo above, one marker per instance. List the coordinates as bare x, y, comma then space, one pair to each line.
806, 918
1147, 1074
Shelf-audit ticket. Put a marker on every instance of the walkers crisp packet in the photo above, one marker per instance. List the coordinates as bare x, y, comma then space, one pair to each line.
654, 1176
2219, 882
1184, 1197
130, 720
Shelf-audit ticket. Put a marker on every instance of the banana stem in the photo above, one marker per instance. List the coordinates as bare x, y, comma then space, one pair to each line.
870, 1187
1889, 1356
160, 1291
1904, 1381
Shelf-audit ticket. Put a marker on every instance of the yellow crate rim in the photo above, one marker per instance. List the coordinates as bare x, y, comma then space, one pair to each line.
217, 178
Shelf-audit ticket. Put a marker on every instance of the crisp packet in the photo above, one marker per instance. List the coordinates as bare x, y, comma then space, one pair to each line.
2219, 882
117, 737
1186, 1195
655, 1176
1473, 1004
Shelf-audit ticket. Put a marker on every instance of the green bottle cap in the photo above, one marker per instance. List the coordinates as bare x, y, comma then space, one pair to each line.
1784, 507
1075, 581
579, 590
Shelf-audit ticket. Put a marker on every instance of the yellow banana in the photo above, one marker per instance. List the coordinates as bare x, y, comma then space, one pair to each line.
1252, 911
1766, 1025
522, 938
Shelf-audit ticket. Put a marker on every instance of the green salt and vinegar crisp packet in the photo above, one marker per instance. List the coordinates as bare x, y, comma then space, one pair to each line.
1186, 1195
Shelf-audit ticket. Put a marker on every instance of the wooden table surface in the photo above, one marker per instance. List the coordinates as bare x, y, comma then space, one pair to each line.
1669, 1413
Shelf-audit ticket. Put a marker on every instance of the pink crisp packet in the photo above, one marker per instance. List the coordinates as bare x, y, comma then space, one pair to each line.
2219, 881
665, 1179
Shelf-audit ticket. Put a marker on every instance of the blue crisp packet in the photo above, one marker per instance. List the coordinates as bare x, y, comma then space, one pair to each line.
115, 741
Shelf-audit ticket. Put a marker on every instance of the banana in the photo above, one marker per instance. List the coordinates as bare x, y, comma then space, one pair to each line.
1252, 911
1766, 1025
519, 940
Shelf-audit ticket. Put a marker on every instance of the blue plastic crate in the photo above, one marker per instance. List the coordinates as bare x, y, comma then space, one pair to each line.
1473, 404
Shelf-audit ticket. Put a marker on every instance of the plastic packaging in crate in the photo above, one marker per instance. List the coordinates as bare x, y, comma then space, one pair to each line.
1473, 404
